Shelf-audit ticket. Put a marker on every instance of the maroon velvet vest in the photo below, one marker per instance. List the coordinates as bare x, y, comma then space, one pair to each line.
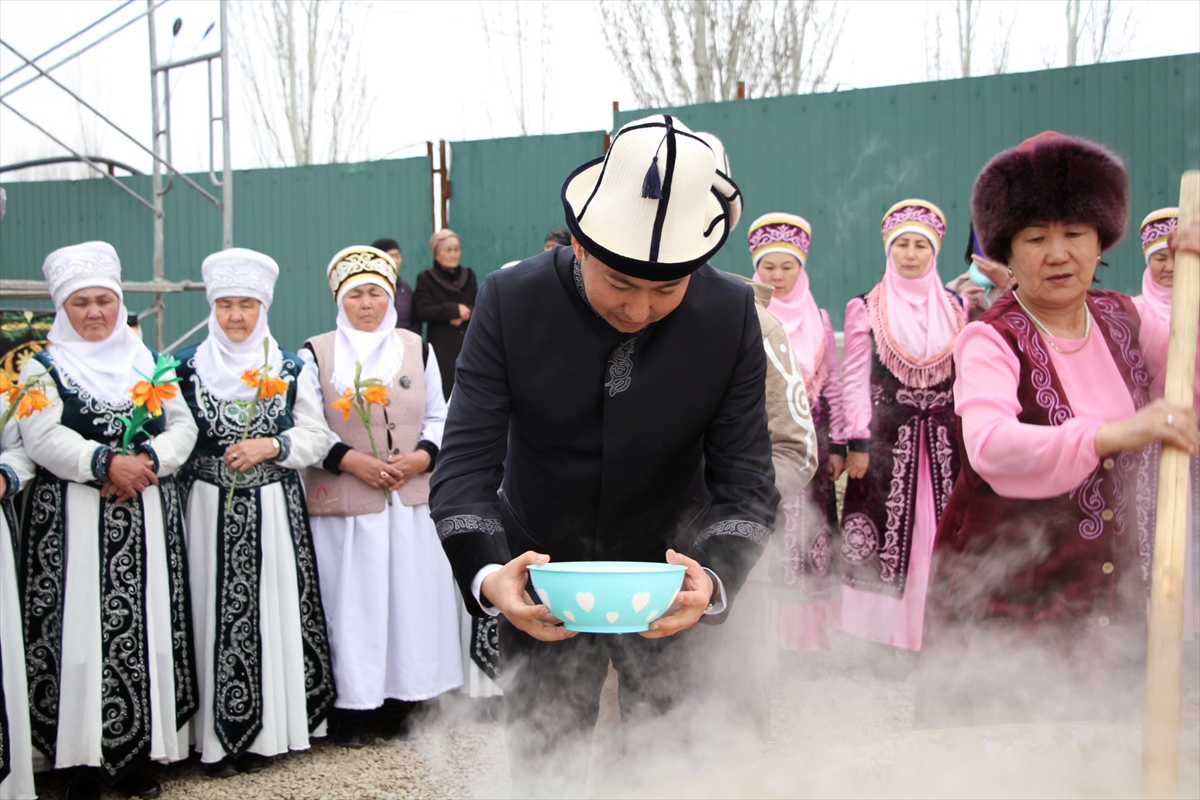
1081, 554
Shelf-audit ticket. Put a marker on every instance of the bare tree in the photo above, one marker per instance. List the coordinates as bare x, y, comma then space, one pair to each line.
967, 16
527, 92
1094, 23
697, 51
307, 85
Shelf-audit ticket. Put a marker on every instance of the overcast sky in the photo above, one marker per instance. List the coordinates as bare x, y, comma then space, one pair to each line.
434, 73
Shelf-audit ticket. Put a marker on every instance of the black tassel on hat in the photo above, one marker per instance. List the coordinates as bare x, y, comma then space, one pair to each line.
652, 184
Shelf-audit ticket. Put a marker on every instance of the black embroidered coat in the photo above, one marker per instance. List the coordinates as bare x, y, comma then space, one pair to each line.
604, 445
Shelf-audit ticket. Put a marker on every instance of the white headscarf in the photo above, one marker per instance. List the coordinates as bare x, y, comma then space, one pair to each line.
220, 361
104, 369
378, 351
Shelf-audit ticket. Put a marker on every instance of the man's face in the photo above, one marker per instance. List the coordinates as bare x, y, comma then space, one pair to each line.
626, 303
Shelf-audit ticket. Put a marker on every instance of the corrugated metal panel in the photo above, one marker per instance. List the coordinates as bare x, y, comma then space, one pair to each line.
506, 193
841, 159
301, 217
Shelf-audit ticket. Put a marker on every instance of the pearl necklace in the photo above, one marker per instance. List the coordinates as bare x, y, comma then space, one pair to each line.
1041, 326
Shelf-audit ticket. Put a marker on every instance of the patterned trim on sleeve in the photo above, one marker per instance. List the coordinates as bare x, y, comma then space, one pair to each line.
101, 458
148, 450
285, 448
753, 531
467, 523
12, 481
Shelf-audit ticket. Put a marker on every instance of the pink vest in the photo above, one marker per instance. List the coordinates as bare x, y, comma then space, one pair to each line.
397, 429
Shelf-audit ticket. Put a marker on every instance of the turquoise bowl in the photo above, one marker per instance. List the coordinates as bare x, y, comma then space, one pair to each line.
607, 596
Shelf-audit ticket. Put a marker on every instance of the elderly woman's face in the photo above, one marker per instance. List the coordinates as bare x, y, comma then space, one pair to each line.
93, 313
1053, 264
911, 253
237, 316
1162, 267
365, 306
780, 271
449, 253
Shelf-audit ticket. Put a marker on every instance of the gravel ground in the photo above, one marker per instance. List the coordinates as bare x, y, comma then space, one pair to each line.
837, 729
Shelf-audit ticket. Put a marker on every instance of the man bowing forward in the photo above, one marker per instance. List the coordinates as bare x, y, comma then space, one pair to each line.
609, 405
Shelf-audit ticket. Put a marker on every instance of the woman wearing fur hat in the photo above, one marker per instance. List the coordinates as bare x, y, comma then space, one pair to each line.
266, 681
112, 690
805, 598
387, 587
1155, 300
1043, 551
443, 299
899, 426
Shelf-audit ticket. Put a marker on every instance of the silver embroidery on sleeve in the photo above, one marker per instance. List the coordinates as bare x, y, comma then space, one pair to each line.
467, 523
737, 527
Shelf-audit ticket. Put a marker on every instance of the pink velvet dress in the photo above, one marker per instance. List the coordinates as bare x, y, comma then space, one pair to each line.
893, 620
1191, 589
804, 592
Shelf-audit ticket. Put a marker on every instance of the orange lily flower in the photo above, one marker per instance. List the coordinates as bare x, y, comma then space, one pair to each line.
375, 394
7, 386
151, 396
273, 386
342, 404
33, 400
250, 378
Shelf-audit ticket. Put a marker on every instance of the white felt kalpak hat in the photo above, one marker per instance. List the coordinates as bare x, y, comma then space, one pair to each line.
240, 272
723, 183
651, 207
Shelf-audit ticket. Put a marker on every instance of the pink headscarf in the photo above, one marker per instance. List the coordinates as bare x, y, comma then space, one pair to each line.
789, 234
801, 319
1155, 231
914, 320
1157, 296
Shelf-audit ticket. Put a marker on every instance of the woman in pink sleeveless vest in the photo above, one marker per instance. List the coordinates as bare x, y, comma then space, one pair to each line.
804, 596
1038, 599
388, 591
899, 426
1155, 300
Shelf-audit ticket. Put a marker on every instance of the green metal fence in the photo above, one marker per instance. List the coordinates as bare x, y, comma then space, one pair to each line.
505, 193
299, 216
838, 159
841, 159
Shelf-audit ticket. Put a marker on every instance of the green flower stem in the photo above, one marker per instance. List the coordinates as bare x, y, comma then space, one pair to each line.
262, 376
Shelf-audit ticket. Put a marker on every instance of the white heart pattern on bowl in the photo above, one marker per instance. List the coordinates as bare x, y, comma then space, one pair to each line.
545, 597
650, 618
567, 613
586, 600
611, 617
639, 601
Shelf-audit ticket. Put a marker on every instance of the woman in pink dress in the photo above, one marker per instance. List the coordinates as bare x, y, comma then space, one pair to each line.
804, 598
899, 425
1155, 300
1038, 597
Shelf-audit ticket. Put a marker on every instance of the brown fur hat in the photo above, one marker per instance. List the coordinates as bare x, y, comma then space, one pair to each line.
1050, 178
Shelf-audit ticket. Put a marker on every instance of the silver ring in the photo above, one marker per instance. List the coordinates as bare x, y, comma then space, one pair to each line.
235, 456
1170, 420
